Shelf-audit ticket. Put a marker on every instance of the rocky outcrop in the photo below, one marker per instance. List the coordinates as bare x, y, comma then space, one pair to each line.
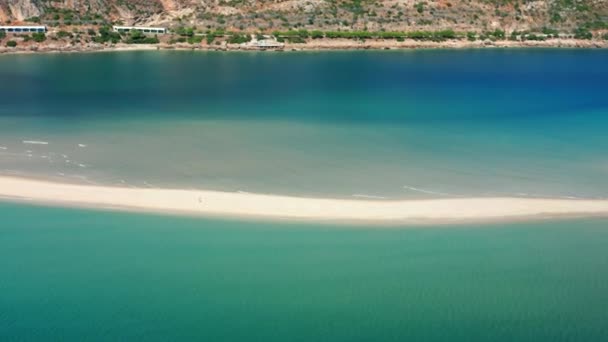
18, 9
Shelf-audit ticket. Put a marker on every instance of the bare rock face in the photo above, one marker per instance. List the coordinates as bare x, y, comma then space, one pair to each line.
18, 9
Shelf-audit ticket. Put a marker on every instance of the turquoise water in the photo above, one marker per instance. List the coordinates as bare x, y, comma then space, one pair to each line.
96, 276
387, 124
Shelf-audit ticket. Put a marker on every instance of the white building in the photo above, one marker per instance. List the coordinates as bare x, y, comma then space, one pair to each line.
23, 29
157, 30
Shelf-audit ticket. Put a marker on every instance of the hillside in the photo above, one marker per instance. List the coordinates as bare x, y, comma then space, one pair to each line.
372, 15
308, 24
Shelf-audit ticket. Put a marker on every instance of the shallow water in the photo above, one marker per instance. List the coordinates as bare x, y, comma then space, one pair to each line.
409, 124
68, 274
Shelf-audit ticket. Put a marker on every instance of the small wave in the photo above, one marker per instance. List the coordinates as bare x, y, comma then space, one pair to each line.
368, 196
35, 142
83, 179
148, 184
82, 145
12, 172
426, 191
3, 148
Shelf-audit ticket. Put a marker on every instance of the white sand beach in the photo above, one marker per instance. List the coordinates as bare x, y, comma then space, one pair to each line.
214, 203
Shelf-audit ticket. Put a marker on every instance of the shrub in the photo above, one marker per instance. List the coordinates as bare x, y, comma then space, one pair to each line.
107, 35
605, 36
39, 37
33, 20
550, 31
316, 34
293, 35
137, 37
532, 36
2, 35
400, 36
237, 38
582, 33
195, 39
185, 31
11, 43
63, 34
498, 34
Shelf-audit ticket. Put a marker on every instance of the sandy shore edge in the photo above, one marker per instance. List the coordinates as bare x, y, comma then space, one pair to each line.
313, 45
226, 204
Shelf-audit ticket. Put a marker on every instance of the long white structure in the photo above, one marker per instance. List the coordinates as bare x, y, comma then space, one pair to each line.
142, 29
22, 28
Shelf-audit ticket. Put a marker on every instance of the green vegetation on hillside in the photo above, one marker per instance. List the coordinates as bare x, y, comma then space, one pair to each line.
137, 37
39, 37
237, 38
106, 35
300, 35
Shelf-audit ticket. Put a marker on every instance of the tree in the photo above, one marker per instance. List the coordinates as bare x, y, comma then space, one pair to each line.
237, 38
11, 43
137, 37
582, 33
2, 35
107, 35
185, 31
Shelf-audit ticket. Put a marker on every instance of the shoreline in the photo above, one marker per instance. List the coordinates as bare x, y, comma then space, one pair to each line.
315, 45
276, 207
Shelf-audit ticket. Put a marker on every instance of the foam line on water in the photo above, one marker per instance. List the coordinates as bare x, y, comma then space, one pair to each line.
35, 142
426, 191
368, 196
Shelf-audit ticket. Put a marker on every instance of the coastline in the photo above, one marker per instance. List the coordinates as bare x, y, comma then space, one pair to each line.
277, 207
314, 45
